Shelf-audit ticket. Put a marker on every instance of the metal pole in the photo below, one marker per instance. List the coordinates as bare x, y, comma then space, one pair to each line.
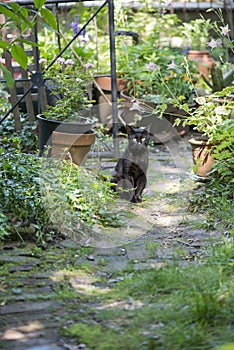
113, 77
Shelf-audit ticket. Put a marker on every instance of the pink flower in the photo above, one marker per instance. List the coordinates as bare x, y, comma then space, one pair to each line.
225, 30
151, 66
213, 44
69, 62
42, 60
172, 65
89, 65
60, 60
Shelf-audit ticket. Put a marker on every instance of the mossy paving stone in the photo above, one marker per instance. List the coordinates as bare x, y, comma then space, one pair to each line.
27, 319
112, 252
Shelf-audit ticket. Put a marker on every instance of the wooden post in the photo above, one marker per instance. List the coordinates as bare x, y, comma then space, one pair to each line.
13, 94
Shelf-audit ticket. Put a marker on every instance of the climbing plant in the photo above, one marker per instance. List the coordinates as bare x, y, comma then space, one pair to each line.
16, 16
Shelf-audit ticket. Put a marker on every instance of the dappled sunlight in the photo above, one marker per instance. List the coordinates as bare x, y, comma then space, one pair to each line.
23, 332
82, 282
129, 305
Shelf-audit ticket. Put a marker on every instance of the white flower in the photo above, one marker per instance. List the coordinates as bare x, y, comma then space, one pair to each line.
225, 30
172, 65
213, 44
135, 106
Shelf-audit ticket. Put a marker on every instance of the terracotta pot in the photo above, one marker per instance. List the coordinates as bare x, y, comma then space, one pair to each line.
205, 62
104, 82
47, 126
201, 157
78, 145
105, 109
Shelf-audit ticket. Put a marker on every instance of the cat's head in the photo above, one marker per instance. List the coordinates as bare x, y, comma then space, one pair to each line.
138, 136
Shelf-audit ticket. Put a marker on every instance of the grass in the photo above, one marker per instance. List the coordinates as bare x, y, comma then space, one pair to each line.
175, 307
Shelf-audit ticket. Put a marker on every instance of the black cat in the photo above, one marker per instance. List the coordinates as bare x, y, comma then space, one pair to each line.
129, 175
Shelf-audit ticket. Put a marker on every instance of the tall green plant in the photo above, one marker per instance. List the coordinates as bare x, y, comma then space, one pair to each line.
17, 17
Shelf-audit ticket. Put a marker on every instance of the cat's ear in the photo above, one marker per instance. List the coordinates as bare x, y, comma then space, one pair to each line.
129, 129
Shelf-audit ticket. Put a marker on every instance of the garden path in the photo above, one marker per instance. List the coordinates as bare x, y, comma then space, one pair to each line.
36, 302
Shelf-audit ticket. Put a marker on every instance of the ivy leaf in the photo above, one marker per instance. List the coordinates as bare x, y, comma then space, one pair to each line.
200, 100
14, 6
7, 76
6, 11
28, 42
4, 44
49, 18
39, 3
19, 55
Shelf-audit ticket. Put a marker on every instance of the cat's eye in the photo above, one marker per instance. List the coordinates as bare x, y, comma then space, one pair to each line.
143, 139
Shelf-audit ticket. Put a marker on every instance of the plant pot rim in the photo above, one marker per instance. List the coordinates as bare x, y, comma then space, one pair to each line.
66, 122
199, 140
201, 51
63, 138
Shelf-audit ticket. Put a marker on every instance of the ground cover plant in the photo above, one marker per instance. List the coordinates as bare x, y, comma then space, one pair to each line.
179, 304
174, 306
37, 203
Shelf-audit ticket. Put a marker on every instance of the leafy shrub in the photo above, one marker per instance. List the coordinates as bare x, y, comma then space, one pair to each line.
26, 140
44, 196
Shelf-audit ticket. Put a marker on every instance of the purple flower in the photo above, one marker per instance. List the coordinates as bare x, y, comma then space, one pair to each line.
225, 30
186, 50
213, 44
75, 25
151, 66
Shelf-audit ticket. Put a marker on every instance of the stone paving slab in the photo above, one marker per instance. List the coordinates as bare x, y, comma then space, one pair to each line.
20, 307
29, 313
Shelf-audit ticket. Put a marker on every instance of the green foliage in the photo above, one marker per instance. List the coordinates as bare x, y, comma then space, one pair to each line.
19, 193
216, 194
210, 113
43, 196
26, 140
71, 80
156, 74
223, 151
196, 33
174, 307
19, 16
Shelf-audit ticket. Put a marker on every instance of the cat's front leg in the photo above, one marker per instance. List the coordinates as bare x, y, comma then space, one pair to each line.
140, 186
125, 188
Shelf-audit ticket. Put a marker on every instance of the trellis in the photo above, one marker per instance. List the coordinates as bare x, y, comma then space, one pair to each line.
37, 81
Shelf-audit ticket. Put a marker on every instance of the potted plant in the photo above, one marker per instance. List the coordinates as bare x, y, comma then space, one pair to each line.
69, 120
212, 112
196, 35
154, 86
